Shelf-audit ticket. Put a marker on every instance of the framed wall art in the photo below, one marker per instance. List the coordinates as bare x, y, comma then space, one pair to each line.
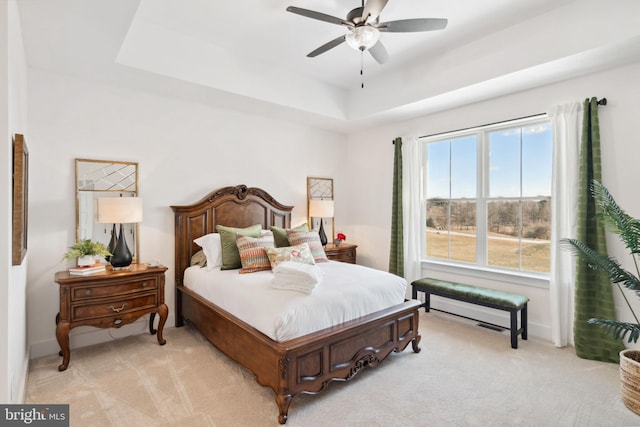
20, 199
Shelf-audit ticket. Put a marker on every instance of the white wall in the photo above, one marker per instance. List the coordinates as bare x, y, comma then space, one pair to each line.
13, 322
184, 151
370, 194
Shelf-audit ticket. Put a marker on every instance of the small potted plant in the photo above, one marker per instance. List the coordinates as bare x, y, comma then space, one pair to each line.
627, 228
86, 252
340, 237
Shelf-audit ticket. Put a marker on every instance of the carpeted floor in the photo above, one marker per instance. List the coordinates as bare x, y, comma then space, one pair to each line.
465, 376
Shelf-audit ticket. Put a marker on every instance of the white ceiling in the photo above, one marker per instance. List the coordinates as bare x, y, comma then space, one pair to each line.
251, 54
262, 30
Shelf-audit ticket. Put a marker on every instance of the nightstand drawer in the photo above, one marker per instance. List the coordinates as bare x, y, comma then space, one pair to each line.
80, 293
113, 307
348, 255
344, 253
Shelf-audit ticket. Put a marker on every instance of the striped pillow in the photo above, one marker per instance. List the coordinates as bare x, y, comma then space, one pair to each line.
280, 234
312, 239
230, 255
253, 257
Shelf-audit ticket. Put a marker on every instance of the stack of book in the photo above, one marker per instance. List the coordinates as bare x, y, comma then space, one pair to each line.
86, 270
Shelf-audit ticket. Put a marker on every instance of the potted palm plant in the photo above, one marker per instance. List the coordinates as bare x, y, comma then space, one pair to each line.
627, 228
86, 252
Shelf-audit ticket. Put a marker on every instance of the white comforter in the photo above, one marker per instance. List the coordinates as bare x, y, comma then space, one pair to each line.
347, 291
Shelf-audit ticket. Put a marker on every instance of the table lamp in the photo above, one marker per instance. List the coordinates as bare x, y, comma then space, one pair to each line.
119, 210
321, 209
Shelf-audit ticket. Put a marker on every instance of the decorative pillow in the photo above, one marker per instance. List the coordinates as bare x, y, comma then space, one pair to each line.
300, 253
312, 239
253, 255
199, 258
280, 234
230, 254
212, 248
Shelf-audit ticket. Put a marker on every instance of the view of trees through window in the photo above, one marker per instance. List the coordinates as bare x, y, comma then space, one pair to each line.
506, 221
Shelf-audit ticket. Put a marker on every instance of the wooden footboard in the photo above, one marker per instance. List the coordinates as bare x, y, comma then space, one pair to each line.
309, 363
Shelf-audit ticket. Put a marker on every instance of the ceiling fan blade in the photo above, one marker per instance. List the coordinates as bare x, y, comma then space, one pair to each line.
325, 47
319, 16
372, 10
379, 52
412, 25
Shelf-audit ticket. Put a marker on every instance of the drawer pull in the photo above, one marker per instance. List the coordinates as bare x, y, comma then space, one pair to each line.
117, 321
88, 292
118, 310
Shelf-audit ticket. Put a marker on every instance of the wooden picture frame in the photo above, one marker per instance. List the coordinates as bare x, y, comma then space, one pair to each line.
20, 199
104, 178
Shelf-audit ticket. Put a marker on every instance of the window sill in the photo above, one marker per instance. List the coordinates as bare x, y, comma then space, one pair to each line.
537, 280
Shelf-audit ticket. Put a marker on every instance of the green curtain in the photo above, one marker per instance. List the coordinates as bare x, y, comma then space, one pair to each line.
592, 297
396, 254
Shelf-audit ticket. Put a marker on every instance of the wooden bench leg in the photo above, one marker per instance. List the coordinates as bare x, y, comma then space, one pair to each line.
514, 325
427, 297
514, 328
523, 321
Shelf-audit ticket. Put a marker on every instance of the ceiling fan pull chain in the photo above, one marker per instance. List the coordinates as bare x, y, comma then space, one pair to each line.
362, 69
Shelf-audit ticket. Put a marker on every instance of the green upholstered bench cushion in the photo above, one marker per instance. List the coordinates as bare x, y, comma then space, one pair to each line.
492, 296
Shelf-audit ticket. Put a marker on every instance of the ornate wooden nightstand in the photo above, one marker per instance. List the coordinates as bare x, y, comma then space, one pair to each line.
344, 252
109, 300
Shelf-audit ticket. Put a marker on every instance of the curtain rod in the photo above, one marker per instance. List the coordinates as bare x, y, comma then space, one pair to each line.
602, 102
486, 124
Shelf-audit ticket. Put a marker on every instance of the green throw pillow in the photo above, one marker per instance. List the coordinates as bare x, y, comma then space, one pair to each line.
230, 253
280, 234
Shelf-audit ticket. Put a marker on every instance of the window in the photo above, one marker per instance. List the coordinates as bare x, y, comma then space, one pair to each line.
488, 196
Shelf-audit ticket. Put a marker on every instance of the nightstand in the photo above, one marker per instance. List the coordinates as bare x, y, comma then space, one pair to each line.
109, 299
344, 252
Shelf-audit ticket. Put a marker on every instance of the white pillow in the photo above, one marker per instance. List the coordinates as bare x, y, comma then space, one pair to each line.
212, 248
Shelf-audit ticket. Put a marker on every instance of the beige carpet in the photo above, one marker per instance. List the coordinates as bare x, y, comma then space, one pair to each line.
465, 376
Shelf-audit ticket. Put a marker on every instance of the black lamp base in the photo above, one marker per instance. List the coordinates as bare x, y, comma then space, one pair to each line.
323, 236
121, 256
112, 243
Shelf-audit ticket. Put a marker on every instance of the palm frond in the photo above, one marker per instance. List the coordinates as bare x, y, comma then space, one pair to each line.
618, 330
600, 262
615, 218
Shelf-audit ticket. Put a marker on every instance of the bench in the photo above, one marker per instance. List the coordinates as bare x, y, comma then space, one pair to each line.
476, 295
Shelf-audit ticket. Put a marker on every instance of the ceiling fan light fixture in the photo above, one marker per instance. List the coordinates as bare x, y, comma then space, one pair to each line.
363, 37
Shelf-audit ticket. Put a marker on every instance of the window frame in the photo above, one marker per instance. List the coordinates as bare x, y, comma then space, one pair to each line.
481, 269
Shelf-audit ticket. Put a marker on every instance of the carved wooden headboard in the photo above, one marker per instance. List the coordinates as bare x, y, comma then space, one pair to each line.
238, 206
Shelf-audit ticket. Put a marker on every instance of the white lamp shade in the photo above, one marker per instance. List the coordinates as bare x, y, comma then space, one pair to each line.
321, 208
118, 210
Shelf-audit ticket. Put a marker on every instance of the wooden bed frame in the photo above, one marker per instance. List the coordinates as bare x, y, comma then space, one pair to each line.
302, 365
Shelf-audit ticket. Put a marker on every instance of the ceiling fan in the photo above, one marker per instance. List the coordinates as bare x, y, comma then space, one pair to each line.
364, 28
